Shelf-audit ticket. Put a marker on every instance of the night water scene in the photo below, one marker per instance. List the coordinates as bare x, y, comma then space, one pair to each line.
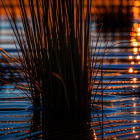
69, 69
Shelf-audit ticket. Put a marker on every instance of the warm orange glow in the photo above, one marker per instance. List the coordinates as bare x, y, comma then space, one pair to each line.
135, 71
133, 99
135, 50
133, 34
138, 57
135, 25
135, 43
133, 39
135, 10
139, 62
130, 70
134, 79
137, 136
133, 131
138, 34
130, 57
134, 29
132, 62
135, 120
138, 29
133, 86
135, 112
136, 3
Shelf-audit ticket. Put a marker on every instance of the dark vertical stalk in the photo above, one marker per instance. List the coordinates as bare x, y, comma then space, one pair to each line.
54, 59
102, 93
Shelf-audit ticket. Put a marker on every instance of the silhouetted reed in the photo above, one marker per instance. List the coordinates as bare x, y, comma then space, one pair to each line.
54, 44
56, 59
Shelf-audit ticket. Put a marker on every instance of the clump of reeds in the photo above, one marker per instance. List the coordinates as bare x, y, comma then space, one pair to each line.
54, 44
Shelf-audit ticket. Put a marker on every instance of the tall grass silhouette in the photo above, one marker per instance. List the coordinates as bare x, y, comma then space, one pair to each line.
56, 59
54, 44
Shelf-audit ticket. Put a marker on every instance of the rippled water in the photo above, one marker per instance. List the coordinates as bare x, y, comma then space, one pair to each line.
121, 96
121, 118
15, 119
120, 86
